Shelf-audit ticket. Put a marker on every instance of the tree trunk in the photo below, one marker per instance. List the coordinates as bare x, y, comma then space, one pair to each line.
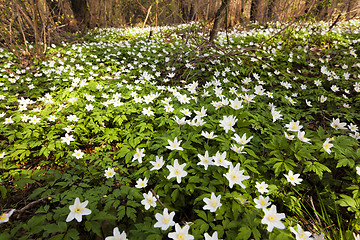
242, 10
54, 8
317, 9
307, 4
348, 10
81, 12
36, 29
253, 10
270, 12
184, 11
218, 19
192, 16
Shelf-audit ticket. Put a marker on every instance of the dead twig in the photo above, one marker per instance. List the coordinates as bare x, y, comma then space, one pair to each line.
334, 23
147, 16
157, 198
313, 206
29, 205
281, 30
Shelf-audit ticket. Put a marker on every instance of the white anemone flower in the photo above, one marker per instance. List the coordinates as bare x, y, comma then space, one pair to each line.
78, 210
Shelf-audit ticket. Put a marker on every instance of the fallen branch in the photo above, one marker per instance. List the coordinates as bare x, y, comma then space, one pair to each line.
281, 30
334, 23
147, 16
316, 215
157, 198
29, 205
234, 54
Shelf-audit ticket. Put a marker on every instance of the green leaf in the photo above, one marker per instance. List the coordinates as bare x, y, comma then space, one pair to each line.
321, 132
93, 226
252, 169
201, 214
51, 228
183, 155
3, 191
204, 227
62, 226
128, 157
244, 233
279, 167
131, 213
345, 162
5, 236
57, 237
316, 167
303, 153
122, 152
121, 212
195, 179
251, 153
187, 145
190, 188
104, 216
256, 233
347, 201
72, 234
36, 220
276, 235
154, 237
236, 209
175, 195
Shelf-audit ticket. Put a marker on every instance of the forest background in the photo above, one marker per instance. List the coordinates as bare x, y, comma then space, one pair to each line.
44, 22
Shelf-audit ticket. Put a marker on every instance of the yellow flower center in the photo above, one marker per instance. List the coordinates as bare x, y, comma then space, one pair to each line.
272, 218
181, 236
78, 210
213, 203
3, 217
166, 220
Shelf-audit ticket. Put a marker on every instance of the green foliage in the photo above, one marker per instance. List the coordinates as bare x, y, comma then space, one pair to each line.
120, 98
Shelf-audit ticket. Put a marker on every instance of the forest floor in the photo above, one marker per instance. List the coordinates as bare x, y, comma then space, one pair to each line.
163, 136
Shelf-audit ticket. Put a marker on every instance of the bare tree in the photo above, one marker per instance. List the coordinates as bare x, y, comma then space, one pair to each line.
254, 9
184, 10
81, 12
270, 10
218, 18
348, 9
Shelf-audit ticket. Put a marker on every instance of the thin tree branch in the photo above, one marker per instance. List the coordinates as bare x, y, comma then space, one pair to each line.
281, 30
312, 204
29, 205
157, 198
